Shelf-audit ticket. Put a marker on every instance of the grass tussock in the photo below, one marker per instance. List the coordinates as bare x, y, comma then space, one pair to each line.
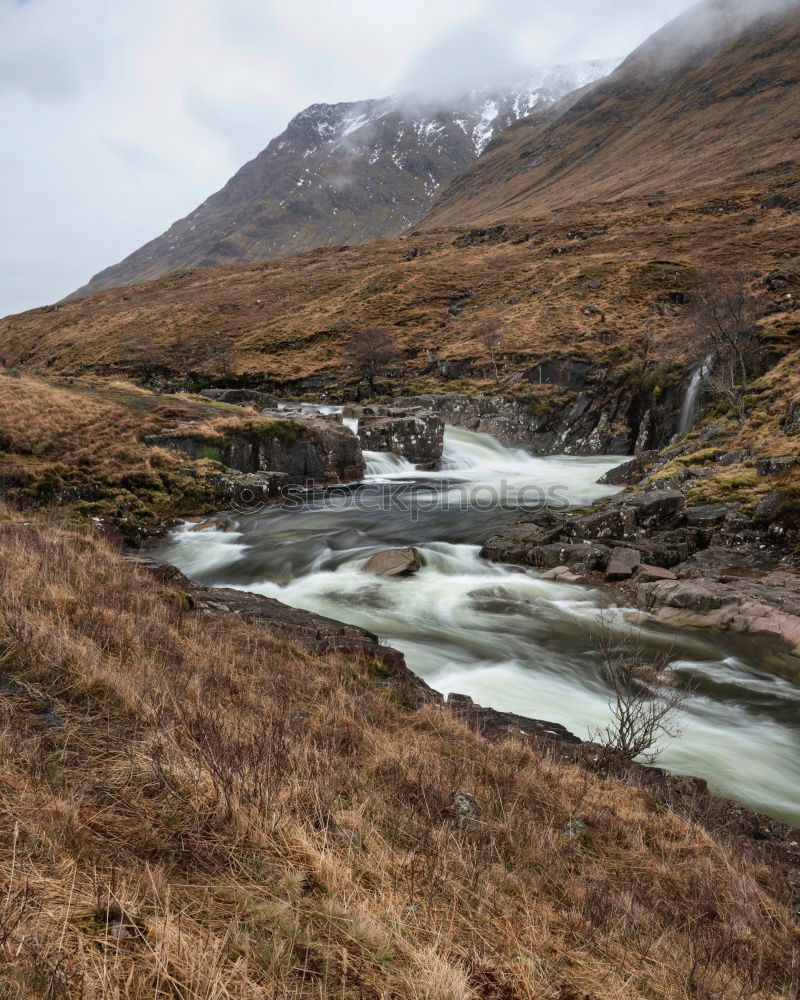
193, 808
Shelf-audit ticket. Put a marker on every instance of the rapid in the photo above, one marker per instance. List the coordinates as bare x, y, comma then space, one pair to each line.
501, 634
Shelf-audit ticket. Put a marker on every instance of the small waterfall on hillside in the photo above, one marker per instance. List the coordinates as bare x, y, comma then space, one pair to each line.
692, 396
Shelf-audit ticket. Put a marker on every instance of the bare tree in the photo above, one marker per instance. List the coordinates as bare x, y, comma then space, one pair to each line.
371, 351
644, 706
724, 321
489, 334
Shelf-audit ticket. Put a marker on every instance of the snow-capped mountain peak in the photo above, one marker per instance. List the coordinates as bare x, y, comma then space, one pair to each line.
347, 173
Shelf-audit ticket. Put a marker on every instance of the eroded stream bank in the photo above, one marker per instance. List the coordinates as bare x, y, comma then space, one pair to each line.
500, 634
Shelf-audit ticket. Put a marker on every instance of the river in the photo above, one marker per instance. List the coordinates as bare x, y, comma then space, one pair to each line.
502, 635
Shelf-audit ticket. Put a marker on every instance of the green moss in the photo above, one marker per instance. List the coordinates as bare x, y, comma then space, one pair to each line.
700, 457
287, 431
739, 485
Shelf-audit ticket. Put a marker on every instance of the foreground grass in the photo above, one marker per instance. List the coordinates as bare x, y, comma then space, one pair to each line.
193, 808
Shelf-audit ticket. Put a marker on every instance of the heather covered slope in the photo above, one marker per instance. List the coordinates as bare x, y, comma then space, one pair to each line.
579, 286
712, 98
304, 838
345, 173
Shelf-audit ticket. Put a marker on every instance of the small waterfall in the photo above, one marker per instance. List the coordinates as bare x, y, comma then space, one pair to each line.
386, 463
692, 396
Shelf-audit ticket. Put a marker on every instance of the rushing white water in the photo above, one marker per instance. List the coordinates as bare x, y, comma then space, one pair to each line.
385, 465
692, 396
502, 635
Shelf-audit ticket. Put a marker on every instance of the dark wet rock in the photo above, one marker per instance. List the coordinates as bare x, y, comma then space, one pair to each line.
653, 574
767, 507
581, 558
656, 505
666, 549
615, 522
629, 472
242, 397
622, 564
394, 562
249, 490
709, 516
315, 452
414, 433
593, 419
512, 543
649, 524
775, 466
498, 726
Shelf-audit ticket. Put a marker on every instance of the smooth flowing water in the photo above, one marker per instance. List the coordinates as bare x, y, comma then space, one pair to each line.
692, 396
499, 634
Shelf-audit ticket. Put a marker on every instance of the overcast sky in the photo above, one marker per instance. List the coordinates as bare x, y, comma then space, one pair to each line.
118, 118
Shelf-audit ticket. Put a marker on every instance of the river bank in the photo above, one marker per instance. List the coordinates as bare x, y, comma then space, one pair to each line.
507, 638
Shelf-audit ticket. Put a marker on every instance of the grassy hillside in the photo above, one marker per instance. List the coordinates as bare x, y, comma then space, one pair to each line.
80, 445
301, 838
601, 283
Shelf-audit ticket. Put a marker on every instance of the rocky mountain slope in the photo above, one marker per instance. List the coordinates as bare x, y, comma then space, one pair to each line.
346, 173
587, 298
711, 98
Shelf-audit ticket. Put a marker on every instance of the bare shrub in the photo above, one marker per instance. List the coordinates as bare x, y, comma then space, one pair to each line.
489, 335
723, 323
371, 351
644, 705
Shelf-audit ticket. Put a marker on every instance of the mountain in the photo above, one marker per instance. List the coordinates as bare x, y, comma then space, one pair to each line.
712, 96
680, 160
346, 173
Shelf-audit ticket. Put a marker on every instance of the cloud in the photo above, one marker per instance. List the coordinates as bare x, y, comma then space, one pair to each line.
506, 37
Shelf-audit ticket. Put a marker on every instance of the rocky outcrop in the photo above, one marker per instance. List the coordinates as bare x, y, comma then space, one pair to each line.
311, 453
414, 433
629, 472
598, 418
649, 527
686, 565
241, 397
768, 606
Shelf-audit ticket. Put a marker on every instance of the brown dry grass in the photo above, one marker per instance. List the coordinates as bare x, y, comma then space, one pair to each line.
81, 442
192, 808
290, 320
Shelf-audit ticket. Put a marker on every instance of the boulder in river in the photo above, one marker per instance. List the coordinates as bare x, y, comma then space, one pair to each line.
394, 562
